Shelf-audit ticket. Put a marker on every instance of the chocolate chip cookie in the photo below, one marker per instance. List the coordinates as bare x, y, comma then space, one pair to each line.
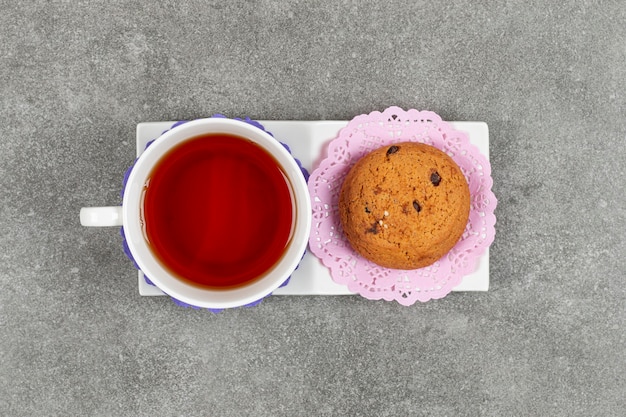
404, 206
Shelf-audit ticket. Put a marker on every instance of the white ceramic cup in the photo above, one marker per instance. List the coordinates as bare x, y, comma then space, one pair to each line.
129, 215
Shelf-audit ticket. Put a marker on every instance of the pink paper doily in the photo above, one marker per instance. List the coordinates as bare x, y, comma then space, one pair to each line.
362, 135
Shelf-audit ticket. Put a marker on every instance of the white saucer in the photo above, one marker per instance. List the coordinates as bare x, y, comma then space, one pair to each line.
308, 140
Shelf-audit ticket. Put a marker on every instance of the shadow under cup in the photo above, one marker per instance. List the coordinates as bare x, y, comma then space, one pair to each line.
217, 213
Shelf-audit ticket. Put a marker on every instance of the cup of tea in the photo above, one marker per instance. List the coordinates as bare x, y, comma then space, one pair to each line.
216, 212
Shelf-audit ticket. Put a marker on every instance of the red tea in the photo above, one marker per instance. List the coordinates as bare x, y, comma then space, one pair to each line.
218, 211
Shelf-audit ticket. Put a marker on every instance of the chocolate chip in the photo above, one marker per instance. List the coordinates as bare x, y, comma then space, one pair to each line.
435, 178
393, 149
367, 210
417, 206
373, 230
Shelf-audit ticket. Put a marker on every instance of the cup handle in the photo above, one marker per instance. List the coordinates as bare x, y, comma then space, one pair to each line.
101, 216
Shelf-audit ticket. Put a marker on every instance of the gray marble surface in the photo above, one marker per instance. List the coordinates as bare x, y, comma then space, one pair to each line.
547, 339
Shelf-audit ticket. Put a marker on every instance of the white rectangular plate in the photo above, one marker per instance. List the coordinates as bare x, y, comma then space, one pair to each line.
308, 140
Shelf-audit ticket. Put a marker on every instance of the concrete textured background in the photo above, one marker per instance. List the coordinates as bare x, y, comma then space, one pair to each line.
547, 339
